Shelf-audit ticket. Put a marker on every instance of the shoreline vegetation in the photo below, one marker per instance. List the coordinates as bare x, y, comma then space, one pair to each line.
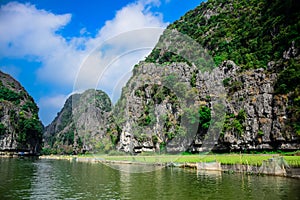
251, 164
292, 159
285, 164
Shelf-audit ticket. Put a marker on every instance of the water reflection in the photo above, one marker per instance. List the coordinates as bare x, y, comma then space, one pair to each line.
44, 182
15, 177
209, 173
45, 179
134, 168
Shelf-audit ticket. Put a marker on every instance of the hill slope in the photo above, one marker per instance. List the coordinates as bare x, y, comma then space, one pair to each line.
255, 48
250, 33
20, 128
231, 85
81, 124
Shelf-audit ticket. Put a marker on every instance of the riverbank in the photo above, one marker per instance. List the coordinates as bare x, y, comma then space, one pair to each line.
273, 164
15, 154
226, 159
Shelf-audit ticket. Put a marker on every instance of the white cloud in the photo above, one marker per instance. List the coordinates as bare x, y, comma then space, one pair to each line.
28, 32
105, 66
133, 16
130, 32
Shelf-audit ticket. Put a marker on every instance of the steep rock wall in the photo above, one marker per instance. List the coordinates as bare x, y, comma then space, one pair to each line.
81, 125
20, 128
255, 116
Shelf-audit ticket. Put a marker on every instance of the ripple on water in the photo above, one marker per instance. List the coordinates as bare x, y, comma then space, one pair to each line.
45, 179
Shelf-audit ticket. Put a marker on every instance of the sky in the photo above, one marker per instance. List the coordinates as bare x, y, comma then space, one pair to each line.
55, 48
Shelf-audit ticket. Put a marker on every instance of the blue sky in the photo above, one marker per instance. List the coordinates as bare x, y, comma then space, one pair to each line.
49, 45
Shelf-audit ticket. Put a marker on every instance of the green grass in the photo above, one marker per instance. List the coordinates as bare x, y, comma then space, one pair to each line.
229, 159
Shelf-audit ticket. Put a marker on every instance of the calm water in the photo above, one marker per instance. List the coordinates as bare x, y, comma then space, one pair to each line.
52, 179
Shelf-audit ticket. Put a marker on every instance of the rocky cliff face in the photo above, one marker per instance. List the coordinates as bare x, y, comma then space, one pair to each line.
149, 111
81, 125
152, 115
20, 128
256, 52
256, 116
229, 82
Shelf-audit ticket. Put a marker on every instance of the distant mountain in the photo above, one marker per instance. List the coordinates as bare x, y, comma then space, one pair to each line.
81, 125
20, 127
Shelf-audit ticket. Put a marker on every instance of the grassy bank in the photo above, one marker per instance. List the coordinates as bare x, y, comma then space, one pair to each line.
222, 158
247, 159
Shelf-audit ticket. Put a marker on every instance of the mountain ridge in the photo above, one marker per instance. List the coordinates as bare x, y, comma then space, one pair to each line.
251, 49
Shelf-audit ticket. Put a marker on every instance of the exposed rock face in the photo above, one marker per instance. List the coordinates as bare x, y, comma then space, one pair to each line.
261, 108
150, 109
160, 103
20, 128
80, 125
153, 115
251, 93
171, 105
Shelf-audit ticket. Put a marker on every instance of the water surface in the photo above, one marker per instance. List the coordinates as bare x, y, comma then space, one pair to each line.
59, 179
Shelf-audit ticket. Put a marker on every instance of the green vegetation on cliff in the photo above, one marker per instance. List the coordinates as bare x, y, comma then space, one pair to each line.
81, 125
253, 34
20, 127
250, 33
261, 38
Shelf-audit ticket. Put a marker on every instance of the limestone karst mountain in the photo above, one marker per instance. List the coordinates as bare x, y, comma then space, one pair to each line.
20, 127
236, 90
254, 46
81, 125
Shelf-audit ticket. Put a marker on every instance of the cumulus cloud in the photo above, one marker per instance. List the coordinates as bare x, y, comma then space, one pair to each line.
133, 16
106, 65
28, 32
120, 44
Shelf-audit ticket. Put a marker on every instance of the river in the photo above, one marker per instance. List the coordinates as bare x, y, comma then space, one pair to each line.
61, 179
